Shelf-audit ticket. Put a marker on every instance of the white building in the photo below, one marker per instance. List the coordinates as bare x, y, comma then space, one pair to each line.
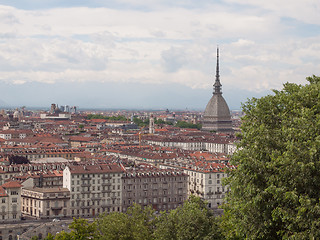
45, 202
10, 201
94, 188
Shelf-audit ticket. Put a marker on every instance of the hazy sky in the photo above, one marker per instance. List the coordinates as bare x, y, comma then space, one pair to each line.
154, 53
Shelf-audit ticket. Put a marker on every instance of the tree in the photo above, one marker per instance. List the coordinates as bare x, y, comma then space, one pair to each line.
193, 220
136, 224
81, 229
275, 188
183, 124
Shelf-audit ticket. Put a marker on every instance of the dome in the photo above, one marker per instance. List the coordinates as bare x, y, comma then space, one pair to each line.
217, 116
217, 107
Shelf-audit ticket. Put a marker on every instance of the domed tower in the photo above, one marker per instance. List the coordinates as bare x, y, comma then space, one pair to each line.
217, 116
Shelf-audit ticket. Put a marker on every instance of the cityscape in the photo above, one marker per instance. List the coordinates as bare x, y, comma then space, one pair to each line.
66, 163
159, 120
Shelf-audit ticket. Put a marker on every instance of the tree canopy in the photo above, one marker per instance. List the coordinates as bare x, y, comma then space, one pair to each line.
275, 188
193, 220
183, 124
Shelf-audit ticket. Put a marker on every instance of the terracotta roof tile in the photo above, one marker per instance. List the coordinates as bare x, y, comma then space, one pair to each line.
11, 184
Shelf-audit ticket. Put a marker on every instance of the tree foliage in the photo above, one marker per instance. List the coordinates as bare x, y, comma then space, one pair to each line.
140, 122
183, 124
193, 220
136, 224
275, 188
81, 229
13, 159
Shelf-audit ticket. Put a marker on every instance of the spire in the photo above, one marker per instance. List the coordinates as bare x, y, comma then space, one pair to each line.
217, 85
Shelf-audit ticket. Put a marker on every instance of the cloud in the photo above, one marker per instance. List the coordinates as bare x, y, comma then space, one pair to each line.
161, 42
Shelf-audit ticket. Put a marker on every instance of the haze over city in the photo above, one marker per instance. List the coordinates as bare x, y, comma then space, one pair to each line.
153, 54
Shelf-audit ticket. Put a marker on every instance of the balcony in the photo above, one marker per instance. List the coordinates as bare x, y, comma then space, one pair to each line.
56, 208
85, 191
106, 177
85, 178
105, 190
85, 185
96, 198
106, 184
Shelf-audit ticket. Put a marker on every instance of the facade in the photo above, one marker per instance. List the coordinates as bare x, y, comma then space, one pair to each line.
151, 125
162, 189
196, 145
43, 203
94, 189
217, 116
10, 202
52, 169
207, 185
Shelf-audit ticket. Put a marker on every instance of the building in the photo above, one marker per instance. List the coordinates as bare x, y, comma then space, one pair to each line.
207, 184
94, 189
151, 125
217, 116
10, 201
45, 202
162, 189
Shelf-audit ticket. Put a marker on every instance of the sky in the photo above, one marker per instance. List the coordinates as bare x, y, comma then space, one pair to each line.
154, 54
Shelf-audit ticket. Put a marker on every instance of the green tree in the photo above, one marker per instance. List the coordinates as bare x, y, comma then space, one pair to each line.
183, 124
193, 220
275, 188
49, 237
81, 229
140, 122
136, 224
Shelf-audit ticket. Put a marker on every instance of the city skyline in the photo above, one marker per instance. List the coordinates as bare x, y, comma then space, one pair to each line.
159, 54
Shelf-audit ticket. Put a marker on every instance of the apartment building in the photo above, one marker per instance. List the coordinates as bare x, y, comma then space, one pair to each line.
10, 201
207, 184
162, 189
94, 188
43, 203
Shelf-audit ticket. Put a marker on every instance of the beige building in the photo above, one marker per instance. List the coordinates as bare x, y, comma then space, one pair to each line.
162, 189
208, 185
45, 202
10, 202
94, 189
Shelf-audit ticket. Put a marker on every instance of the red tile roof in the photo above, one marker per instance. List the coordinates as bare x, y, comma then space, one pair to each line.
11, 184
3, 192
98, 168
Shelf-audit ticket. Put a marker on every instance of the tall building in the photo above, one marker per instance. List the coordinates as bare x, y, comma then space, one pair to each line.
94, 189
151, 124
216, 116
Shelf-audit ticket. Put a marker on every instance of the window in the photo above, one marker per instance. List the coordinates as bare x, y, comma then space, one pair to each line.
3, 200
14, 200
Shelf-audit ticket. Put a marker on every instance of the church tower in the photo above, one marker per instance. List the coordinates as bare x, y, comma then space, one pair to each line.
151, 125
217, 116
